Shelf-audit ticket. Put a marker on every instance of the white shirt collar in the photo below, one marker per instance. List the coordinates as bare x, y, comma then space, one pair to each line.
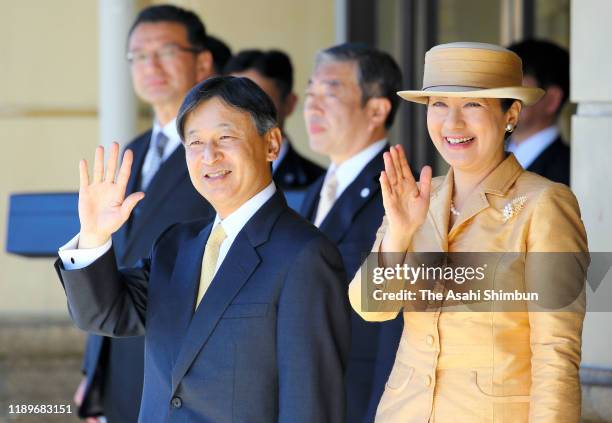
171, 132
234, 223
528, 151
348, 170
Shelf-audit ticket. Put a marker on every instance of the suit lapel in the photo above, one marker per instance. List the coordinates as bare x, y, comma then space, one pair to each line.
241, 261
139, 149
184, 283
498, 182
439, 212
361, 191
476, 202
170, 173
237, 267
311, 199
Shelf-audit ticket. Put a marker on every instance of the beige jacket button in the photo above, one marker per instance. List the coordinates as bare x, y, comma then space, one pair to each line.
428, 380
430, 340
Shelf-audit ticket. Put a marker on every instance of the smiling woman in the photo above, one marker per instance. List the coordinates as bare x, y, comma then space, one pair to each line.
469, 132
517, 366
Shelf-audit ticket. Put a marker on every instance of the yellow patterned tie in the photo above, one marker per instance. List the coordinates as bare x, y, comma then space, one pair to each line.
327, 199
209, 262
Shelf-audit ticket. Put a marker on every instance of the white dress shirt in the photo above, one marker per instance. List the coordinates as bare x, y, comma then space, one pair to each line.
530, 148
74, 258
234, 223
348, 170
174, 140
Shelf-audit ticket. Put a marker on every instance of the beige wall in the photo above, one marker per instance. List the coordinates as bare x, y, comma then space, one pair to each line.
48, 69
469, 20
300, 28
48, 102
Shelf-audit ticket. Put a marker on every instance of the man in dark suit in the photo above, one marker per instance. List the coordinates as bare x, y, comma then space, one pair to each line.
167, 57
536, 141
350, 105
245, 316
273, 72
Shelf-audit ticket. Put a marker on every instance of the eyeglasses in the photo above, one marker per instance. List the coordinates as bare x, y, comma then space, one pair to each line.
164, 54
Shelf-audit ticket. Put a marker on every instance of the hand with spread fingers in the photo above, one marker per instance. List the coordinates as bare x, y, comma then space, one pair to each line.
406, 203
103, 207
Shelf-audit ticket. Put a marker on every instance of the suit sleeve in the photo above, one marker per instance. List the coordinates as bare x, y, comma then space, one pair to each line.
313, 337
91, 344
556, 266
105, 301
357, 292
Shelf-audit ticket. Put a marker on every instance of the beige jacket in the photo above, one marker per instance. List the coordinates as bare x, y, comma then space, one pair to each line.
503, 366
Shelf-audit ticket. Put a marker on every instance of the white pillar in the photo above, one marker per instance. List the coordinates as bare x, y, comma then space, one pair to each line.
511, 28
591, 89
117, 107
341, 20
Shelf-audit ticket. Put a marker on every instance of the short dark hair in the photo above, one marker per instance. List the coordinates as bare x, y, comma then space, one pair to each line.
377, 72
240, 93
506, 103
220, 51
196, 31
547, 62
273, 64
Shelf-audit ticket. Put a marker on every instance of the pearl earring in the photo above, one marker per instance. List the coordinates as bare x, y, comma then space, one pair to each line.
509, 128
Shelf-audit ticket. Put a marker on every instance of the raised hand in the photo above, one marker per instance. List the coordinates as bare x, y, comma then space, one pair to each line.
406, 203
103, 207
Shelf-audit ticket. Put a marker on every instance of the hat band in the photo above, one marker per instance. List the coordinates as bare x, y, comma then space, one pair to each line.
451, 88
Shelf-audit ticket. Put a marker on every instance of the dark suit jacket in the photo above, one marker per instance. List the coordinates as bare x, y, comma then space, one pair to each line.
554, 162
351, 224
268, 343
295, 172
114, 367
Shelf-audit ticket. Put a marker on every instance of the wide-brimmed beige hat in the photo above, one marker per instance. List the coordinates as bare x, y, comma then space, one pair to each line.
473, 70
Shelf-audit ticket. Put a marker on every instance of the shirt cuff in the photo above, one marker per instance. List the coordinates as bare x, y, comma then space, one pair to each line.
74, 258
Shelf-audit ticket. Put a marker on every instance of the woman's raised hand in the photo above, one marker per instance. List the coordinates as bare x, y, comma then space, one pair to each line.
103, 207
406, 203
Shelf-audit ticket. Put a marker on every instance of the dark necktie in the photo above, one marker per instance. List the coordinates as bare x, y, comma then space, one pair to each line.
155, 162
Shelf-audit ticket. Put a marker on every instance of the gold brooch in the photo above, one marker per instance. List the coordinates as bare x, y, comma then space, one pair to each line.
514, 207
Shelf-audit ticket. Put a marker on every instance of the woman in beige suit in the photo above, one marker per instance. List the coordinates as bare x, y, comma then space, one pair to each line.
513, 364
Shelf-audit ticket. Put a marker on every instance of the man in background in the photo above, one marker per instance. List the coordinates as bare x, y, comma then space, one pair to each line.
168, 55
273, 72
350, 105
220, 51
536, 141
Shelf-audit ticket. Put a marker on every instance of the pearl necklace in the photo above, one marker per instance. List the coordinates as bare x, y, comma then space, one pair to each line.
453, 210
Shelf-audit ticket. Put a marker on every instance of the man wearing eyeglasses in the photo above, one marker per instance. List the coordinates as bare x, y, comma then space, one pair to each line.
167, 55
